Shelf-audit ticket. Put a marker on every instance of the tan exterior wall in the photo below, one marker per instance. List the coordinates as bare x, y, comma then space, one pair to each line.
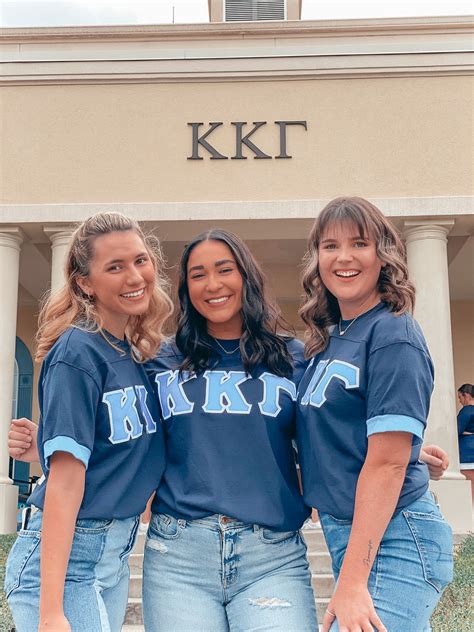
129, 143
462, 318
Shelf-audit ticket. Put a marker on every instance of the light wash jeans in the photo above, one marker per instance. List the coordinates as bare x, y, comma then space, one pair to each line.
219, 575
413, 565
96, 587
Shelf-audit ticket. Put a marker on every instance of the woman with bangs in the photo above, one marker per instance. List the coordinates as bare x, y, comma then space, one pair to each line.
362, 409
100, 441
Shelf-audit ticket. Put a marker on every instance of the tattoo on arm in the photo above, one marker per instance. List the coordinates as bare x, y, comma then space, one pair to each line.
368, 560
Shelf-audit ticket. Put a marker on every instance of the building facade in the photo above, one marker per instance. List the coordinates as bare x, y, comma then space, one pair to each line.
253, 127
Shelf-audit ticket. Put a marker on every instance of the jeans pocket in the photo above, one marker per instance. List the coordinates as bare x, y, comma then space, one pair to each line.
271, 536
164, 526
433, 539
24, 547
92, 525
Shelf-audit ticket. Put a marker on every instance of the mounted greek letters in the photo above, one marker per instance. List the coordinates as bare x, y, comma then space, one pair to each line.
200, 140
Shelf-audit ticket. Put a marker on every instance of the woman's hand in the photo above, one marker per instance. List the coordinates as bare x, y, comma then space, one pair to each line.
22, 444
436, 459
354, 610
54, 623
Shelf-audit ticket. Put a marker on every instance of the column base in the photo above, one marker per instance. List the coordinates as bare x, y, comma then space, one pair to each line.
454, 497
8, 508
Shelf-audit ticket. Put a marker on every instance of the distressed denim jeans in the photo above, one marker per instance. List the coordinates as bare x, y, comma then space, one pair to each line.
413, 565
96, 586
216, 574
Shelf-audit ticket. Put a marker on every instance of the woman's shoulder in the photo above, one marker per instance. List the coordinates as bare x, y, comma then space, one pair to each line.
168, 357
296, 350
390, 328
84, 350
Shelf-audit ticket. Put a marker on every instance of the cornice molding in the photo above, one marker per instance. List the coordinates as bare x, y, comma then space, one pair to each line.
360, 27
396, 207
290, 67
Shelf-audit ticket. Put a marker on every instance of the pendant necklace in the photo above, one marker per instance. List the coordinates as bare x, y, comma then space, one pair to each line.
224, 349
343, 331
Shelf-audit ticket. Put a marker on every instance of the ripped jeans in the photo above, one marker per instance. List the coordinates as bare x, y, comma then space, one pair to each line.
217, 574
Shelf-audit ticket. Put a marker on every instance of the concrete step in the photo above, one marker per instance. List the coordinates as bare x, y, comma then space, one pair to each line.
314, 539
134, 613
320, 562
323, 585
136, 563
139, 543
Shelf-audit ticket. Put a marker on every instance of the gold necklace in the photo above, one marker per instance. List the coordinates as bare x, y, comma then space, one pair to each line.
224, 349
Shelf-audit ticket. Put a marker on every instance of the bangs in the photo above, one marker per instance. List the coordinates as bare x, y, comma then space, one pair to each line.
345, 217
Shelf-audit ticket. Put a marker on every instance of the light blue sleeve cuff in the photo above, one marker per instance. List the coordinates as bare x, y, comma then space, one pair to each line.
66, 444
395, 423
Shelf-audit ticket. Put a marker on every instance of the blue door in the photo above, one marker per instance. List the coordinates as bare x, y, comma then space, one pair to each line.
21, 404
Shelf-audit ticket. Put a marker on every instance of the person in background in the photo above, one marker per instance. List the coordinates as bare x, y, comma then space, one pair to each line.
362, 409
100, 440
466, 432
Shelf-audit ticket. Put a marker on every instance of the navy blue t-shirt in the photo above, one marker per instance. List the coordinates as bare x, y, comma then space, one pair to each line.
377, 377
98, 405
229, 440
466, 441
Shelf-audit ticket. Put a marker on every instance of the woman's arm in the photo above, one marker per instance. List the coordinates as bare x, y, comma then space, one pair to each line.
64, 492
22, 440
378, 490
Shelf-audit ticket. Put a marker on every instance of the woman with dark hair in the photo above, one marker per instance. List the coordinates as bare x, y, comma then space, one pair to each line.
224, 551
466, 432
365, 398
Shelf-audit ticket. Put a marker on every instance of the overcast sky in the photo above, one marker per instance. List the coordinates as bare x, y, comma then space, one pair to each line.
97, 12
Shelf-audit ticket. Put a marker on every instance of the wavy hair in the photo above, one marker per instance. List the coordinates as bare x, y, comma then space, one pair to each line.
320, 308
70, 306
259, 343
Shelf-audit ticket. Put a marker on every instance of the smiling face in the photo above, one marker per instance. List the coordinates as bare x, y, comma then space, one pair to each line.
121, 279
349, 268
215, 288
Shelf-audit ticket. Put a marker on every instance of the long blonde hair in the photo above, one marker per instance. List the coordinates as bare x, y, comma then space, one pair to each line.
320, 308
70, 306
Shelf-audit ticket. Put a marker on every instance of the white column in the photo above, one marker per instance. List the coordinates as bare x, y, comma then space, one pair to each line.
426, 242
60, 237
10, 241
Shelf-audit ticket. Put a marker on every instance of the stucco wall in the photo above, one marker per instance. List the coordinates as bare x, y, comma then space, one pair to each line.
129, 143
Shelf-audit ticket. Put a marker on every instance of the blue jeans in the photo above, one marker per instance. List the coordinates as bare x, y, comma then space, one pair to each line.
217, 574
96, 586
413, 565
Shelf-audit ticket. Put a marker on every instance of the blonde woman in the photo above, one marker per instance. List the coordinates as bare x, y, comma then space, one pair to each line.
362, 409
100, 439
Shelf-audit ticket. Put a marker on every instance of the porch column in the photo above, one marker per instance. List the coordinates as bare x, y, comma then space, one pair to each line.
60, 237
10, 242
426, 242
